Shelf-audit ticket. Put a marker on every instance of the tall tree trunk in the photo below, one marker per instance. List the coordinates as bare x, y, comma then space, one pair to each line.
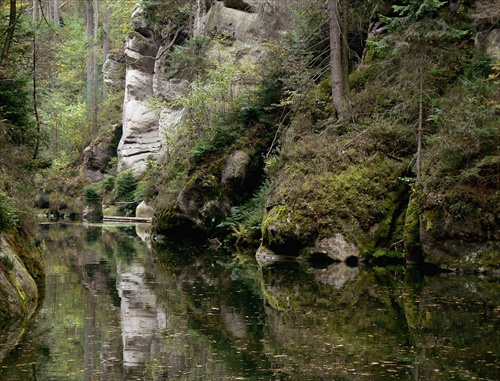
345, 45
95, 71
105, 40
201, 10
57, 17
420, 122
36, 11
10, 32
35, 101
90, 59
339, 91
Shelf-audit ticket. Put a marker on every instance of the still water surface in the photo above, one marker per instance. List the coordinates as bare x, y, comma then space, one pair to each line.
117, 310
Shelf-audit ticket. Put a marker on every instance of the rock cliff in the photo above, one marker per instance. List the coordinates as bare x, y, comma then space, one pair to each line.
148, 123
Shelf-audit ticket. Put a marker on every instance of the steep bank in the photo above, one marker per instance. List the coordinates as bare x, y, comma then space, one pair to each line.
236, 120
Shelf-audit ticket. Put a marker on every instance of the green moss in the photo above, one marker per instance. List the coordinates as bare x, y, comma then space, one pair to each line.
411, 234
277, 215
432, 221
167, 219
335, 190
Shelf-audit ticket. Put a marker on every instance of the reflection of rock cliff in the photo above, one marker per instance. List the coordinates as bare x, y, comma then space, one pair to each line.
140, 319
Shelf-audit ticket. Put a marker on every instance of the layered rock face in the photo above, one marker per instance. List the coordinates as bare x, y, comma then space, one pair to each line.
140, 137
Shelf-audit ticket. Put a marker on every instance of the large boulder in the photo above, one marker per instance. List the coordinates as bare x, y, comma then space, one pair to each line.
19, 292
463, 244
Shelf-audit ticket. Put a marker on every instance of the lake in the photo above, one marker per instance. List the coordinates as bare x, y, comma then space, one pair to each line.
117, 309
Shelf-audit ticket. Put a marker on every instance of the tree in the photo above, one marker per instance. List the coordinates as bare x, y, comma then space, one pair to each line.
10, 31
417, 24
338, 59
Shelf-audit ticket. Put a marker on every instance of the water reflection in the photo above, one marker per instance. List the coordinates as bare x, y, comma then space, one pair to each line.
117, 310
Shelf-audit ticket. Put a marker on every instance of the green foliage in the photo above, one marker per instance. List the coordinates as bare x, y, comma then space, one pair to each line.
8, 213
125, 185
466, 148
216, 139
189, 60
91, 193
218, 93
15, 109
108, 184
245, 220
156, 11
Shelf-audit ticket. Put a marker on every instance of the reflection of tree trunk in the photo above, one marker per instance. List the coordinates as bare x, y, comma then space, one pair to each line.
412, 300
10, 31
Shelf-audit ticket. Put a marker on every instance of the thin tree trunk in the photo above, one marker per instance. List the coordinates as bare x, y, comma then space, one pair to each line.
57, 17
10, 32
105, 40
345, 45
420, 123
95, 71
90, 60
35, 103
339, 95
36, 11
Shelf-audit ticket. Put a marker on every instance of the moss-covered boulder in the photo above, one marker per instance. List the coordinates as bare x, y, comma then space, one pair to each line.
468, 243
21, 290
327, 198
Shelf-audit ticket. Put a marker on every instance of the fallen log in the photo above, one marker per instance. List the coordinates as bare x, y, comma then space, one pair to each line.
127, 219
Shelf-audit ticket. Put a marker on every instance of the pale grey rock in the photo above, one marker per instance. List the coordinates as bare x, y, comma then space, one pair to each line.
144, 210
233, 24
113, 72
336, 275
488, 42
150, 131
235, 171
140, 136
337, 248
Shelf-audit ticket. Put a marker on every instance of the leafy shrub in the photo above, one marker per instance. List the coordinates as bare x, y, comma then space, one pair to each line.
108, 184
14, 108
91, 193
125, 185
8, 213
245, 220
